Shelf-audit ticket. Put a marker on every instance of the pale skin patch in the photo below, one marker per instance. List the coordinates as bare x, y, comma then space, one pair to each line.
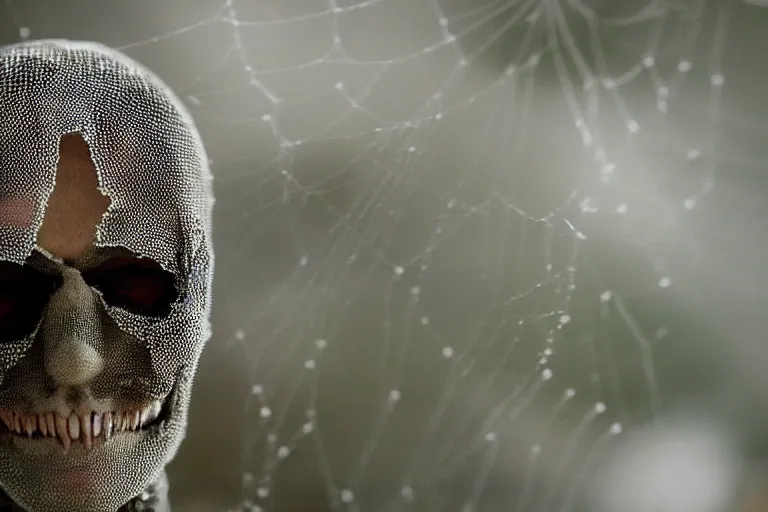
76, 206
16, 212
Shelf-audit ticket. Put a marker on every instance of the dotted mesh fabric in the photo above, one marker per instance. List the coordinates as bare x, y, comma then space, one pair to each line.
150, 162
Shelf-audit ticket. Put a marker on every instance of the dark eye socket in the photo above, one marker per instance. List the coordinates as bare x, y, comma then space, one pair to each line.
138, 285
24, 293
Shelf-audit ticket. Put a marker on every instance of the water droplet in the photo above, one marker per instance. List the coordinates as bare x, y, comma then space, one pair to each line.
693, 154
251, 506
347, 496
588, 205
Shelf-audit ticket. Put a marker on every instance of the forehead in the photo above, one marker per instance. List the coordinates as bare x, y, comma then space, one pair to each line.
76, 206
148, 157
75, 214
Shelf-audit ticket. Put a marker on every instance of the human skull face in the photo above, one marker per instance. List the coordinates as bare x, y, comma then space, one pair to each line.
105, 284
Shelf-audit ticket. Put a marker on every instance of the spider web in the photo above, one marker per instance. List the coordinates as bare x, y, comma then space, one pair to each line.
456, 234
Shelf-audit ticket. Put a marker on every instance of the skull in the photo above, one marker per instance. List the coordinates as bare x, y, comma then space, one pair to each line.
105, 275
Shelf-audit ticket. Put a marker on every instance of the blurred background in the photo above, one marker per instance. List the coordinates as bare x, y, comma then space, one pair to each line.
483, 255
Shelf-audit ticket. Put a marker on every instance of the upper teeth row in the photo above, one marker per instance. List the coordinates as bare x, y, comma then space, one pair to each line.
87, 428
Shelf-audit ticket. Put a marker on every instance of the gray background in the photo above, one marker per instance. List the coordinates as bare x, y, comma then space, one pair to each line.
349, 190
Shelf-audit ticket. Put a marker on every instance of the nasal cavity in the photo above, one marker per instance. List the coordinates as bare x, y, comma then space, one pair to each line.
76, 206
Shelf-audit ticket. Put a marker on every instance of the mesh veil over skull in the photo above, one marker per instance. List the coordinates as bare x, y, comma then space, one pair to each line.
151, 164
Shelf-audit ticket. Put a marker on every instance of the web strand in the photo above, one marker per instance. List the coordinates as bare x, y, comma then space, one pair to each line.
438, 193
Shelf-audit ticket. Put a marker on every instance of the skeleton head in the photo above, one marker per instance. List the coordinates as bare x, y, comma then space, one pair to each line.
105, 275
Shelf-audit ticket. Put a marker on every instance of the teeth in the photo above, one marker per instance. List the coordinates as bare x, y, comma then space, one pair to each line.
74, 426
8, 419
30, 424
153, 411
86, 428
96, 425
62, 432
108, 425
50, 423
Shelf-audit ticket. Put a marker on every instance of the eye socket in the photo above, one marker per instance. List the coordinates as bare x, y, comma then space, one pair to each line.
138, 285
24, 293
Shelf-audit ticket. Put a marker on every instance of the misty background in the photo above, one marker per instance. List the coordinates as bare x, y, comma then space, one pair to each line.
430, 293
